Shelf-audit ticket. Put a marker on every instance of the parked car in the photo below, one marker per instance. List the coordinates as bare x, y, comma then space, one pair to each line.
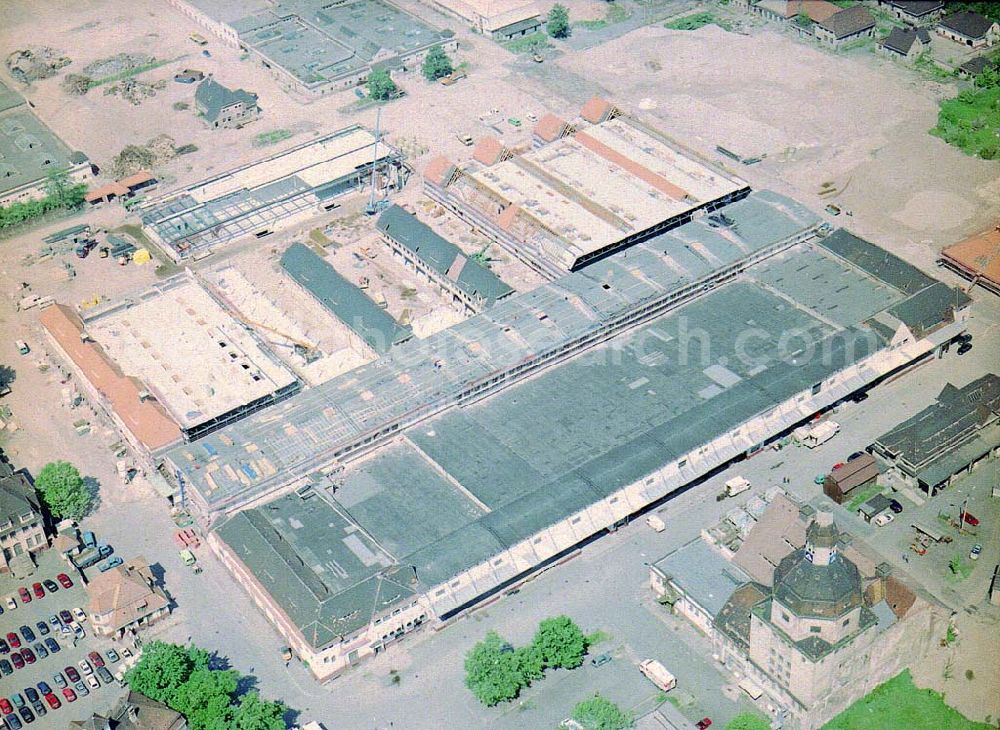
17, 660
85, 666
600, 660
69, 694
80, 614
895, 506
977, 549
112, 655
28, 655
43, 628
44, 689
52, 645
77, 629
26, 714
855, 455
50, 585
64, 580
71, 674
105, 675
17, 699
703, 724
27, 633
4, 649
95, 659
25, 595
66, 617
59, 679
81, 689
126, 652
53, 701
92, 682
113, 562
39, 591
39, 709
13, 723
5, 667
10, 603
883, 519
14, 640
40, 650
964, 348
54, 621
31, 693
5, 706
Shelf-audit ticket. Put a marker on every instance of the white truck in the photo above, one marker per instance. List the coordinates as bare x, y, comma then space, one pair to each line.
658, 674
813, 436
656, 522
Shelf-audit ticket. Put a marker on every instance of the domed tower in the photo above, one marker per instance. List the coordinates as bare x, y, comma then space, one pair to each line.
817, 592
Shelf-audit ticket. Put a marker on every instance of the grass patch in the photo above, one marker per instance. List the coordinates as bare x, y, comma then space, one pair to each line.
844, 3
130, 72
317, 236
265, 139
615, 14
598, 637
861, 497
672, 699
924, 63
970, 120
899, 705
696, 21
529, 43
960, 568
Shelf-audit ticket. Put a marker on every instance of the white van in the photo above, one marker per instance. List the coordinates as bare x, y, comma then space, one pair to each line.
737, 485
658, 674
656, 523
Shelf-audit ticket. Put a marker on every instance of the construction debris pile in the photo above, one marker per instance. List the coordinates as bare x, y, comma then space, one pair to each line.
134, 91
119, 63
32, 64
157, 151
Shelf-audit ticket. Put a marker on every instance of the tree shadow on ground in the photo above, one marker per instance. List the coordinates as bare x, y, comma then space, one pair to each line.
93, 487
7, 375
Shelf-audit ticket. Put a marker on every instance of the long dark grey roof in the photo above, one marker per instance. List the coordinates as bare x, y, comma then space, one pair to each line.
849, 21
440, 255
967, 23
347, 302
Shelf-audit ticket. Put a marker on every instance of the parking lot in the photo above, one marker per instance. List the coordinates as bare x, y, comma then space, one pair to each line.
53, 649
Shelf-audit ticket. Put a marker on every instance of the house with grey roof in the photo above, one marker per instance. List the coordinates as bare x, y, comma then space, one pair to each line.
845, 26
460, 277
960, 430
914, 12
905, 43
969, 28
22, 525
224, 108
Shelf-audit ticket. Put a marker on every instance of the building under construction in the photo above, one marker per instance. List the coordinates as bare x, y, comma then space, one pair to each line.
587, 189
600, 405
258, 198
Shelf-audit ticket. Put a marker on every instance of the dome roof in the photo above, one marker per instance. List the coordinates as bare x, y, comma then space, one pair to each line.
822, 591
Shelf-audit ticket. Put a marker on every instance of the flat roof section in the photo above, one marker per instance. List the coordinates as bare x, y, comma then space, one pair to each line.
317, 41
702, 573
491, 15
348, 303
29, 150
144, 418
977, 258
198, 360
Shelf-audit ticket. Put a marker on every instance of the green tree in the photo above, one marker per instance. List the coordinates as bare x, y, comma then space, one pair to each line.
437, 64
599, 713
253, 713
205, 698
748, 721
558, 23
163, 668
63, 490
380, 85
531, 663
492, 671
560, 642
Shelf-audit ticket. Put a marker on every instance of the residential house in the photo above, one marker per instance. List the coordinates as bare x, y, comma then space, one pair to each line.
222, 107
125, 598
972, 68
815, 11
946, 439
845, 26
134, 711
905, 43
914, 12
969, 28
859, 472
22, 524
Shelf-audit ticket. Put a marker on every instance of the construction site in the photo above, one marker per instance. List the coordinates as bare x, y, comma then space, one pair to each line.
636, 409
259, 198
548, 207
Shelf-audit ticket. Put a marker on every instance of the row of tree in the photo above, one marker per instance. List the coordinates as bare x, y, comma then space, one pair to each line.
61, 193
497, 672
181, 677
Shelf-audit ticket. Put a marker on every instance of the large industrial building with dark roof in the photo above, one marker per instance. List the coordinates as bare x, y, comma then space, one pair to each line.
599, 405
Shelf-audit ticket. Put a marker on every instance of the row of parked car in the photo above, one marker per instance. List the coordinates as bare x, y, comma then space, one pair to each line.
65, 622
38, 590
27, 705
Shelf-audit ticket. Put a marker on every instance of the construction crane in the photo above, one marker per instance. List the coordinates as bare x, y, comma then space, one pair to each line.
374, 206
307, 350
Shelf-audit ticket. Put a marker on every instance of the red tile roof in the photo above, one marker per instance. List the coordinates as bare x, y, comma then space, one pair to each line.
145, 419
978, 255
438, 170
550, 128
488, 150
595, 110
631, 166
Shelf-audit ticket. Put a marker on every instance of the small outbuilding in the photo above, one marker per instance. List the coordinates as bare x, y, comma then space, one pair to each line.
905, 43
859, 472
874, 507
